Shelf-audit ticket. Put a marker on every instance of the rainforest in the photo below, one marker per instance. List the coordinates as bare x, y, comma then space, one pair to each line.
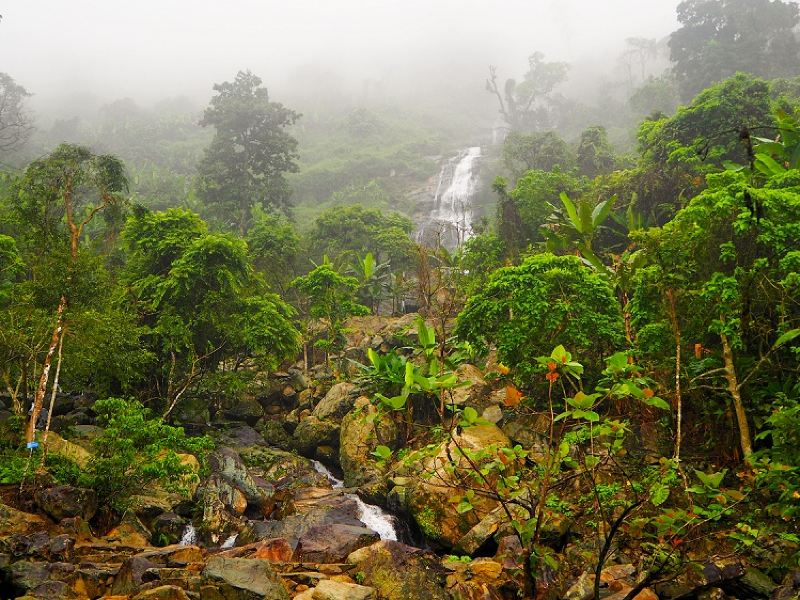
394, 301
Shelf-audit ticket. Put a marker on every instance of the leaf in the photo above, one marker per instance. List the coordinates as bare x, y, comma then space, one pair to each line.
711, 480
786, 337
464, 506
513, 396
602, 210
382, 453
768, 165
409, 376
559, 354
659, 493
470, 415
656, 402
571, 212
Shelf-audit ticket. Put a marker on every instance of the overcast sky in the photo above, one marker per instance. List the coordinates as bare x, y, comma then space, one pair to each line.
152, 49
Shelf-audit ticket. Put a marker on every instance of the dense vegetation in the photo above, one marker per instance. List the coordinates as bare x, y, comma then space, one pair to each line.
638, 312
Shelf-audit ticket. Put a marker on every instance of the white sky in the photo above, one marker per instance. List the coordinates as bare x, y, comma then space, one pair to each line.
156, 48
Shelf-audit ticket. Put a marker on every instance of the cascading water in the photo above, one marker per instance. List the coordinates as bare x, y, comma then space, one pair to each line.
189, 537
451, 216
374, 517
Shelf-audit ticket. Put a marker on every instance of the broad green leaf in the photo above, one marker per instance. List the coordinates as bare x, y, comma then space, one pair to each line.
409, 377
571, 212
786, 338
659, 493
656, 402
602, 210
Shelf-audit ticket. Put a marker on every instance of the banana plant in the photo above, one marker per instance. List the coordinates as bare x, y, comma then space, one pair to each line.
576, 224
774, 157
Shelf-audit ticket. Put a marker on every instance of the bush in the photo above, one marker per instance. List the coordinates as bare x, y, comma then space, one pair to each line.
135, 450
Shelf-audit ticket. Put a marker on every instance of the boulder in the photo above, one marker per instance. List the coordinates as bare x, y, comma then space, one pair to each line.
130, 575
275, 434
433, 502
333, 543
162, 592
474, 391
400, 572
228, 467
167, 528
335, 590
336, 403
247, 410
528, 430
362, 431
242, 579
313, 432
66, 501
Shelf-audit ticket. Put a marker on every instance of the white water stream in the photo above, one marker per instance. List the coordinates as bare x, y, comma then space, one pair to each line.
189, 537
452, 215
374, 517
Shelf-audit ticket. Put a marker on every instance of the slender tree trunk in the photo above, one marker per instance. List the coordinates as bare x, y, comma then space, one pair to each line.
38, 399
53, 394
676, 330
735, 391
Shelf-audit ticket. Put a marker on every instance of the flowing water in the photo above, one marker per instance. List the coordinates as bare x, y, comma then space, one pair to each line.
189, 537
374, 517
451, 215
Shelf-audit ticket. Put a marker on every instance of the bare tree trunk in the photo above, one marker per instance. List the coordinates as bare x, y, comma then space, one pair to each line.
53, 394
676, 330
38, 400
735, 391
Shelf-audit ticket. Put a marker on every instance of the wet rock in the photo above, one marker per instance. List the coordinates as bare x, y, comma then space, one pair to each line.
528, 430
334, 590
167, 528
400, 572
336, 403
130, 532
275, 434
475, 392
242, 579
227, 466
24, 576
333, 543
247, 410
66, 501
273, 550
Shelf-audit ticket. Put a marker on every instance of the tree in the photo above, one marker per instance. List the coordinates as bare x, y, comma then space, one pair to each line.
595, 156
274, 245
329, 295
60, 195
196, 293
355, 231
15, 124
731, 259
250, 153
717, 38
523, 105
546, 300
543, 151
535, 195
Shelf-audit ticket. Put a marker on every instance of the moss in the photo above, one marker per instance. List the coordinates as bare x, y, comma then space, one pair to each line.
428, 521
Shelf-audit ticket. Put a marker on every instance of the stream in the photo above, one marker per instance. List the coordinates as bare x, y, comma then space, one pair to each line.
374, 517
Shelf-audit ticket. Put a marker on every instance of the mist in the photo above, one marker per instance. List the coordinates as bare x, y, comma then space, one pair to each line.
79, 55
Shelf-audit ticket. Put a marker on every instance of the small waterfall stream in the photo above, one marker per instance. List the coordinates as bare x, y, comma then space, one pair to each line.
451, 215
372, 516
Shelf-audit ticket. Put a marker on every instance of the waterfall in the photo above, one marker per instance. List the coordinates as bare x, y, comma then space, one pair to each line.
451, 216
374, 517
189, 537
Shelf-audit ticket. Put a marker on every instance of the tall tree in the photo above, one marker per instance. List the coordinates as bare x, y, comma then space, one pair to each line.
523, 105
15, 124
250, 153
60, 195
717, 38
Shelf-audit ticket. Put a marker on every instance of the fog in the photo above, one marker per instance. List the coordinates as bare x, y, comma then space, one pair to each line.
80, 54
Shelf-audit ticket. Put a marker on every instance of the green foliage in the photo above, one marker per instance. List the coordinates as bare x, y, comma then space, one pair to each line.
717, 38
196, 294
547, 299
250, 153
135, 450
274, 246
523, 152
477, 258
356, 231
595, 155
535, 195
